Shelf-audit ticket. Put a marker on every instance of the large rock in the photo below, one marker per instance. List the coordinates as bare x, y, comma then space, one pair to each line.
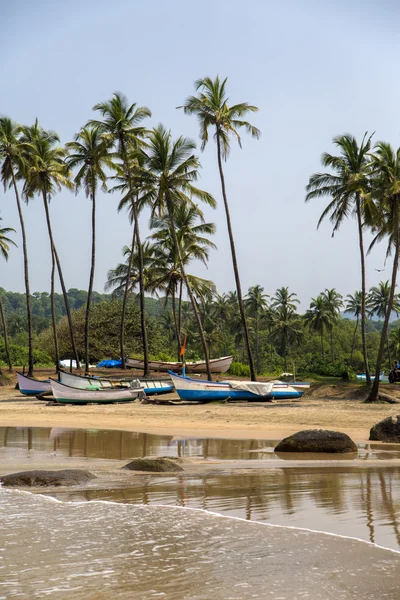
47, 478
317, 440
154, 465
387, 430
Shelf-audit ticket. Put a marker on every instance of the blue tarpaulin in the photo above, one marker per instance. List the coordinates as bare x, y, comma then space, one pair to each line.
109, 364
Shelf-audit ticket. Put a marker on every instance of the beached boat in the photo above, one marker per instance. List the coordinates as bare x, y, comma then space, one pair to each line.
29, 386
151, 386
70, 395
217, 365
297, 385
206, 391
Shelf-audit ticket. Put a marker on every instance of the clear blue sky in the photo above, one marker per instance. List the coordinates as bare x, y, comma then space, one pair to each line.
315, 69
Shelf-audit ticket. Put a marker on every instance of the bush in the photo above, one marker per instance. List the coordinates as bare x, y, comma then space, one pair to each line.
239, 370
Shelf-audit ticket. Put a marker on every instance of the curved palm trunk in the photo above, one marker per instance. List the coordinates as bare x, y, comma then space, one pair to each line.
180, 309
257, 346
373, 395
26, 276
53, 312
60, 275
234, 262
177, 334
91, 279
189, 289
5, 333
354, 340
388, 350
363, 290
125, 302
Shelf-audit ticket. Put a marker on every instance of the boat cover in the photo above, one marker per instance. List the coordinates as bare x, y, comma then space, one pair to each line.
109, 364
260, 389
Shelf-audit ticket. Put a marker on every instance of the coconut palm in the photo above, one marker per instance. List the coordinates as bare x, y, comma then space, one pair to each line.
286, 329
89, 153
318, 318
127, 273
212, 110
334, 302
120, 125
394, 339
256, 304
5, 243
377, 305
46, 172
348, 187
353, 306
167, 178
386, 191
11, 160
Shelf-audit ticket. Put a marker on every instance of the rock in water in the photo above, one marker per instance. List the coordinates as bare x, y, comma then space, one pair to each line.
387, 430
317, 440
47, 478
155, 465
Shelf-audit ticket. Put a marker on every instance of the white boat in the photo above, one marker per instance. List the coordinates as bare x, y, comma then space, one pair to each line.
206, 391
29, 386
150, 386
70, 395
217, 365
298, 385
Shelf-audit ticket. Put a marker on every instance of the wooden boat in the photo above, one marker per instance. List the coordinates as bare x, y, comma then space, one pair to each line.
217, 365
297, 385
70, 395
29, 386
206, 391
150, 386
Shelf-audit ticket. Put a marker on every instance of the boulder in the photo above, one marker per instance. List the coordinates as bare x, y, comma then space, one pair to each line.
317, 440
154, 465
387, 430
47, 478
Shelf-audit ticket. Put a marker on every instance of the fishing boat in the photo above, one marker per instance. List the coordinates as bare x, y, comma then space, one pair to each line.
29, 386
66, 394
151, 386
217, 365
297, 385
206, 391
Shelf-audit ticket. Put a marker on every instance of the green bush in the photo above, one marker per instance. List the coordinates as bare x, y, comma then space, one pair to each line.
239, 370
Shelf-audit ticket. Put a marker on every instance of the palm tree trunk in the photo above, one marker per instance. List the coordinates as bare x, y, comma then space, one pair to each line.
354, 340
178, 339
91, 280
234, 262
6, 346
180, 309
60, 275
257, 347
363, 290
388, 349
53, 312
373, 395
125, 302
189, 289
26, 275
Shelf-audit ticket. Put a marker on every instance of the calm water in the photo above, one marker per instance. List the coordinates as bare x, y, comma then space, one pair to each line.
142, 543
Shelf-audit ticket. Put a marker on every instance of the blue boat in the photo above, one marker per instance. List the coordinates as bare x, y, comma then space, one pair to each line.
110, 364
151, 387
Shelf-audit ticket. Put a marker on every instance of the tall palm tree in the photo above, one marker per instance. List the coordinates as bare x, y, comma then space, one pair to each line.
120, 125
354, 307
256, 303
167, 179
45, 173
286, 323
212, 110
5, 243
11, 159
334, 302
386, 190
89, 153
318, 318
377, 305
348, 188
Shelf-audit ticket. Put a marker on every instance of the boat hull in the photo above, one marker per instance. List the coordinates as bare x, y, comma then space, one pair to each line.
217, 365
29, 386
150, 386
69, 395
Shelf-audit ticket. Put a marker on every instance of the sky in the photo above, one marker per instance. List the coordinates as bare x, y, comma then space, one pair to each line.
315, 70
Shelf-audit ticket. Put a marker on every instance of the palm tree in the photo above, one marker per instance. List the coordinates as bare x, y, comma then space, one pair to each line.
212, 110
286, 323
11, 158
353, 306
89, 153
318, 318
334, 302
386, 190
348, 186
120, 125
4, 248
46, 172
377, 304
167, 177
256, 303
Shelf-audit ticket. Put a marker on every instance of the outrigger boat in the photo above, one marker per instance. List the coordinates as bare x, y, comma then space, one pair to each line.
29, 386
217, 365
66, 394
206, 391
151, 386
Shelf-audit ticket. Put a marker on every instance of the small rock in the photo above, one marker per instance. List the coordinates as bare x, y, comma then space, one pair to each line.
387, 430
154, 465
47, 478
317, 440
